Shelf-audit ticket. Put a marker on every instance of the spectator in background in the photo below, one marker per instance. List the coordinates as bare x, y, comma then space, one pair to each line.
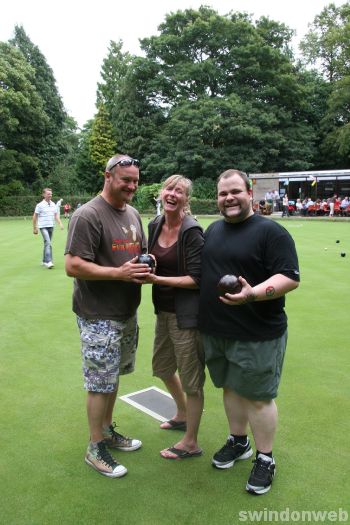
275, 200
344, 204
269, 200
331, 204
285, 205
269, 196
67, 208
309, 204
44, 217
158, 202
58, 207
298, 206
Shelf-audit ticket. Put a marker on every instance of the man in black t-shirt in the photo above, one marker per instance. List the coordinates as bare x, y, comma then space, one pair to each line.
245, 334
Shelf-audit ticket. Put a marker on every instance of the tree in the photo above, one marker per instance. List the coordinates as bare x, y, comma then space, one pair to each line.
229, 94
23, 121
326, 45
44, 79
101, 143
134, 121
63, 176
89, 180
336, 123
204, 188
113, 71
327, 42
139, 119
54, 147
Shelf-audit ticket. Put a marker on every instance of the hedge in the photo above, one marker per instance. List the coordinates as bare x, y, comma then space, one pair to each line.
24, 205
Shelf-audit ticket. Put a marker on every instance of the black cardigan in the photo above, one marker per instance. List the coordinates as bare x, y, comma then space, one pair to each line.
189, 247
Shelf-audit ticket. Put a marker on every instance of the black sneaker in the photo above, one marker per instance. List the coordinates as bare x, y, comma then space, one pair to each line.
230, 452
262, 474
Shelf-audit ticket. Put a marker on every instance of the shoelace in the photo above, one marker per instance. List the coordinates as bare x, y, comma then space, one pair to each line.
261, 467
116, 434
227, 445
230, 444
105, 456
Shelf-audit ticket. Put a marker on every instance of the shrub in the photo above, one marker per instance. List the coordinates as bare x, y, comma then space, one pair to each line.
203, 206
144, 198
24, 205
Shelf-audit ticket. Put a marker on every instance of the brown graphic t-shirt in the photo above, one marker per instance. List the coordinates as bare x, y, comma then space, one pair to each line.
109, 237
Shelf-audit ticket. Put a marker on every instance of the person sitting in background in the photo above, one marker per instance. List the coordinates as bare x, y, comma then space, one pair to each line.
262, 207
298, 206
309, 205
344, 204
324, 207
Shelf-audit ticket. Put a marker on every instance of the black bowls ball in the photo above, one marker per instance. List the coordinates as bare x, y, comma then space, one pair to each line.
145, 258
229, 284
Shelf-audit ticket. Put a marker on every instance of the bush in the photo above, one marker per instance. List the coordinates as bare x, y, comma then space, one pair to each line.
204, 188
24, 205
144, 199
203, 206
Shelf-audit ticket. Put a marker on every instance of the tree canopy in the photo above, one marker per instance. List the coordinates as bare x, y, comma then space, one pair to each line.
208, 93
326, 45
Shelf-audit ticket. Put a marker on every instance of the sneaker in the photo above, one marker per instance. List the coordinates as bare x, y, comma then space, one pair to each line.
49, 265
115, 440
98, 457
230, 452
262, 474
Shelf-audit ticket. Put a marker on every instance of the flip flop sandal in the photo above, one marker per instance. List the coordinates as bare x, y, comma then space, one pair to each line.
182, 454
175, 425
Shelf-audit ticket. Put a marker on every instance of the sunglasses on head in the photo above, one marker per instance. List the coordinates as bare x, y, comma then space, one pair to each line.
125, 162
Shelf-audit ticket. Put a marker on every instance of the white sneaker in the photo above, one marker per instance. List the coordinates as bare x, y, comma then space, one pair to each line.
49, 265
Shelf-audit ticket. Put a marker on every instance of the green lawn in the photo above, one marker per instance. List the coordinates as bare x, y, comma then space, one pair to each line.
43, 477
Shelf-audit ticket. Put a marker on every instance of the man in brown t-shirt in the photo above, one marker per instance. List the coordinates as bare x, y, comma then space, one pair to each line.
105, 237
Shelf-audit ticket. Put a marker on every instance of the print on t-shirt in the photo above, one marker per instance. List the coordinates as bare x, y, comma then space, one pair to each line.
128, 244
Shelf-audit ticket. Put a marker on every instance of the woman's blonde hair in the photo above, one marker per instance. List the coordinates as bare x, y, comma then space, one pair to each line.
172, 181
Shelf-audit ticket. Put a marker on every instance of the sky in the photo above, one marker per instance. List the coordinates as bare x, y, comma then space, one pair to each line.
74, 35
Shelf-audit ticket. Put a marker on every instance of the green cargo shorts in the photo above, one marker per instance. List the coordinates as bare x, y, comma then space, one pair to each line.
252, 369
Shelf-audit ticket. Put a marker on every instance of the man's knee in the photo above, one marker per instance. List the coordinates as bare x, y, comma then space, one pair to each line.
259, 404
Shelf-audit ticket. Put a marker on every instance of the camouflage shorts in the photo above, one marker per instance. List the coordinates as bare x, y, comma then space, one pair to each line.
108, 349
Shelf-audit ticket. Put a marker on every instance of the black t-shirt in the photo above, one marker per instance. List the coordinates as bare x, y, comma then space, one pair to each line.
164, 296
256, 249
